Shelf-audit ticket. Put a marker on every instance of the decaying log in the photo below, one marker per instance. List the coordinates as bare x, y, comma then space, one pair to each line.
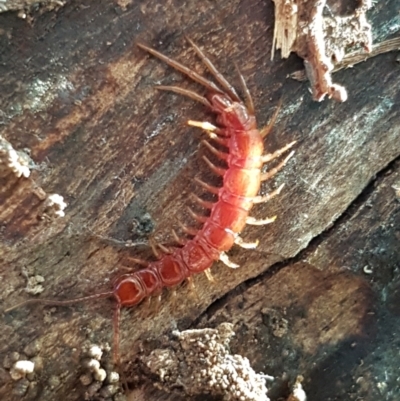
318, 298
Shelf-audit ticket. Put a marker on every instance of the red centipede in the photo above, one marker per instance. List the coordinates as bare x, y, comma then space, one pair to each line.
236, 130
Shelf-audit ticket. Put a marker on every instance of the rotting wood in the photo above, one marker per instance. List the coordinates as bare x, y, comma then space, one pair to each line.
321, 40
80, 96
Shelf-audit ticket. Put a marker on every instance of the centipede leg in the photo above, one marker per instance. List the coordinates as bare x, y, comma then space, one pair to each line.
157, 253
248, 99
201, 202
261, 222
197, 217
205, 126
213, 132
137, 261
188, 230
178, 239
267, 129
208, 187
217, 170
246, 245
266, 198
155, 303
147, 307
215, 151
192, 287
272, 156
225, 259
164, 248
266, 176
209, 276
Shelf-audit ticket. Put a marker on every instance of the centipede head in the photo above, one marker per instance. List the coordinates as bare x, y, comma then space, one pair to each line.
232, 114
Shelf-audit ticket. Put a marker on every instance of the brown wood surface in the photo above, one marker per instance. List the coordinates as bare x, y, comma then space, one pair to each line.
79, 94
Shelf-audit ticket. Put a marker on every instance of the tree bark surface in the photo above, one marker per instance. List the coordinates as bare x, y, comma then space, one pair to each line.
318, 297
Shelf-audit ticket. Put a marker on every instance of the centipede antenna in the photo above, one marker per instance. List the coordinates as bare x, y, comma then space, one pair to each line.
215, 151
185, 92
183, 69
267, 129
217, 75
213, 167
208, 187
272, 156
60, 303
248, 99
266, 176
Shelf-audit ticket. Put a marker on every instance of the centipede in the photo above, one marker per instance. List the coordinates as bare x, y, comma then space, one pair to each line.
243, 154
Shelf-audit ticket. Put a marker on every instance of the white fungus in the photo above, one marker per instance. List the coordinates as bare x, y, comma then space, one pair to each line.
21, 368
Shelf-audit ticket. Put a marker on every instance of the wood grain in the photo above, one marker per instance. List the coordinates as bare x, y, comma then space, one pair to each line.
79, 94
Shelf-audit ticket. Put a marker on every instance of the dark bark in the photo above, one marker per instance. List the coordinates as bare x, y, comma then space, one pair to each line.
78, 93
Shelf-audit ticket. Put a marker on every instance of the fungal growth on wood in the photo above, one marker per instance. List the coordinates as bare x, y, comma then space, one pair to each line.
53, 206
200, 363
17, 164
298, 394
321, 38
23, 369
99, 382
13, 161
